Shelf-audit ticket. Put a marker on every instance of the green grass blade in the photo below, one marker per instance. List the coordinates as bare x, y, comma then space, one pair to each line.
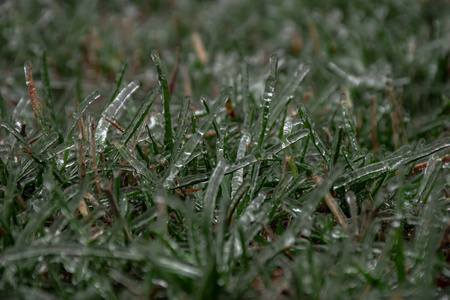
269, 90
432, 170
118, 83
288, 141
79, 111
284, 97
140, 116
165, 97
336, 147
188, 148
238, 176
3, 109
349, 125
136, 164
212, 193
182, 126
248, 105
315, 138
111, 112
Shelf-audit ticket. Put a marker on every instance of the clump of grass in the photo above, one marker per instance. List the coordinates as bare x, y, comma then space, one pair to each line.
267, 188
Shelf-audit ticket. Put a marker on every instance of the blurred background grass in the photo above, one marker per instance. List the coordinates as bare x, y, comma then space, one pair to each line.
86, 41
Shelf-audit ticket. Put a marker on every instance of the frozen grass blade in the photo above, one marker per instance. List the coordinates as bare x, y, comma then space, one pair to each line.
248, 160
182, 126
79, 111
282, 99
246, 98
140, 116
211, 193
188, 148
432, 170
349, 125
336, 146
136, 164
237, 179
111, 112
317, 141
165, 97
287, 141
269, 90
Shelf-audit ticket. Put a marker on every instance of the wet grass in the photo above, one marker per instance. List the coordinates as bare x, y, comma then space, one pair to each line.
225, 150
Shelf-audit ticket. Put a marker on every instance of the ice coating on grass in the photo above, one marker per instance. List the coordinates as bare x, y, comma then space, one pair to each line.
288, 93
287, 141
136, 164
317, 141
182, 127
111, 112
48, 141
287, 127
349, 124
402, 156
81, 108
211, 192
249, 215
429, 177
237, 179
140, 116
191, 145
246, 97
220, 141
19, 108
242, 163
165, 97
265, 111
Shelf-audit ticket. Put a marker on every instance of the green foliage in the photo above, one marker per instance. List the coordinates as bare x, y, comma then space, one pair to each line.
320, 171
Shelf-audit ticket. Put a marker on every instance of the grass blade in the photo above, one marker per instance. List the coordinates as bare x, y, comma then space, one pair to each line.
3, 109
238, 178
79, 111
188, 148
349, 125
165, 97
284, 97
315, 138
112, 111
182, 127
140, 116
118, 83
269, 90
211, 193
136, 164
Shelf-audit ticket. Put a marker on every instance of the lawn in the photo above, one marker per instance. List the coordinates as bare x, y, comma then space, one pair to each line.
225, 149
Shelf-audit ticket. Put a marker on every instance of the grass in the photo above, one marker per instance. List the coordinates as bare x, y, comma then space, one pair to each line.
224, 150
